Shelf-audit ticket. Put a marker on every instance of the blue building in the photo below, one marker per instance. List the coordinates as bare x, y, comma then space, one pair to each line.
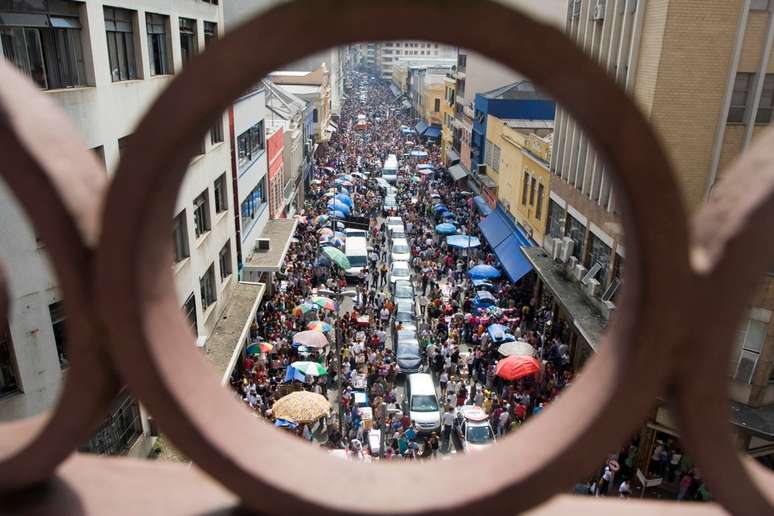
519, 100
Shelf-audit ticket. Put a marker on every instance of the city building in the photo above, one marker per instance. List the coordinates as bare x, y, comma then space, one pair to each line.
293, 112
275, 143
104, 63
312, 87
390, 53
701, 73
449, 156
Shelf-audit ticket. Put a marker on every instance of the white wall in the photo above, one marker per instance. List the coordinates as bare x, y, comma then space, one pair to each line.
103, 112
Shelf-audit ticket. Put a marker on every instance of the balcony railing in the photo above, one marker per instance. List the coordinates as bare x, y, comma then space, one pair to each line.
111, 255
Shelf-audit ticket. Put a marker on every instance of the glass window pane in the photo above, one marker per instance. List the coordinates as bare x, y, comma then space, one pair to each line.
35, 55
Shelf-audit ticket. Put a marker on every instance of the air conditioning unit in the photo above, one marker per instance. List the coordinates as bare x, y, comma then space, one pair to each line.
598, 10
579, 273
571, 263
592, 288
557, 248
262, 245
567, 248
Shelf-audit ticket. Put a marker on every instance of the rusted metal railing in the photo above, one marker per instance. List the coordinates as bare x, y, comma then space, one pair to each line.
110, 253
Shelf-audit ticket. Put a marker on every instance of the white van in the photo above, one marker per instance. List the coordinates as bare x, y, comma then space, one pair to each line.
357, 252
390, 169
421, 402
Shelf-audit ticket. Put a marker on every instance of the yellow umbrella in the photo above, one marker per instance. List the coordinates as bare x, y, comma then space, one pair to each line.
301, 407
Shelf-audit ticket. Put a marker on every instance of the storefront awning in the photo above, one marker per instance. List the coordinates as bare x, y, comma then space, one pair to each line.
482, 205
421, 127
758, 421
225, 343
452, 157
406, 104
433, 132
457, 172
278, 232
587, 322
395, 91
507, 240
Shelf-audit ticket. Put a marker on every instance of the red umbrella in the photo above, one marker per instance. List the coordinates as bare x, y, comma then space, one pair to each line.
515, 367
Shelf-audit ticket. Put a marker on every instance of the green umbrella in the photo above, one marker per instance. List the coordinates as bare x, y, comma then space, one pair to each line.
310, 368
337, 257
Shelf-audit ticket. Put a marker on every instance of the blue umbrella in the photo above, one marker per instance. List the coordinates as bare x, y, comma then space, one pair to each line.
440, 207
446, 229
346, 177
338, 214
343, 182
344, 199
424, 166
284, 423
449, 215
497, 332
344, 191
462, 241
483, 272
337, 205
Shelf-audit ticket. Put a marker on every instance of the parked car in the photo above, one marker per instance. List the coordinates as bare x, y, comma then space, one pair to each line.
400, 250
393, 221
390, 205
421, 402
473, 428
399, 271
405, 314
408, 356
403, 289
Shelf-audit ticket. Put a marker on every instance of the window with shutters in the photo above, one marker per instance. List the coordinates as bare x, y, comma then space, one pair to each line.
221, 194
180, 237
45, 45
766, 104
57, 313
210, 33
158, 48
207, 287
187, 39
119, 27
202, 214
525, 188
539, 207
224, 261
740, 98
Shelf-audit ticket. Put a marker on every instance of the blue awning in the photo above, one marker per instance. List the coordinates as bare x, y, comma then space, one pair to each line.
507, 239
421, 127
514, 262
482, 205
433, 132
495, 229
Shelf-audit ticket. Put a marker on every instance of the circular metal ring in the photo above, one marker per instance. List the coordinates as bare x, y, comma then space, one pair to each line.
60, 185
274, 473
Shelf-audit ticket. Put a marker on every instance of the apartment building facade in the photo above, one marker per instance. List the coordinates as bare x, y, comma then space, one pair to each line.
104, 63
390, 53
702, 73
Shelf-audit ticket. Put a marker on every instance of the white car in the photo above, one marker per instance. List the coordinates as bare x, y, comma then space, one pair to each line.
393, 221
399, 271
400, 251
473, 428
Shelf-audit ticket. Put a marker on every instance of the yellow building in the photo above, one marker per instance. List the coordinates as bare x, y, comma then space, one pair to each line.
431, 101
447, 126
518, 151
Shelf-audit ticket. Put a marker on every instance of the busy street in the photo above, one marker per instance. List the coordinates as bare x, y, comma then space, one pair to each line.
394, 333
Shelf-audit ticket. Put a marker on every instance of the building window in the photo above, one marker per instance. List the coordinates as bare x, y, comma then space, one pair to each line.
210, 33
207, 287
221, 194
120, 429
759, 5
123, 143
314, 116
749, 345
555, 220
180, 237
56, 311
9, 382
47, 46
157, 44
189, 309
120, 42
213, 2
577, 232
250, 145
524, 188
187, 39
599, 254
437, 106
492, 156
216, 133
202, 214
739, 98
532, 183
539, 207
224, 260
252, 207
766, 105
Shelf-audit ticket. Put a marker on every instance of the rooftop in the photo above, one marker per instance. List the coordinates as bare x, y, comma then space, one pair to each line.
279, 232
224, 343
520, 90
519, 123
